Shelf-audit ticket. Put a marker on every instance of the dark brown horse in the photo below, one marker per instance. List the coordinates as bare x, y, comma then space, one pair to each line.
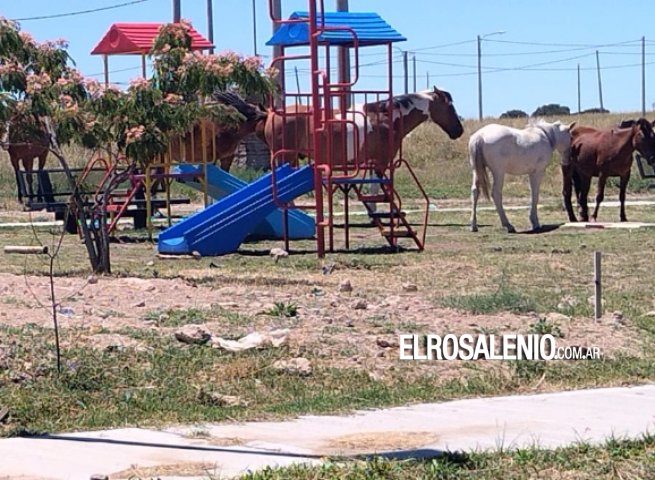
603, 153
24, 145
219, 140
374, 123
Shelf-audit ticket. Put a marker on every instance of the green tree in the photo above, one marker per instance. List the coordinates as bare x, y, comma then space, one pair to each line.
551, 110
40, 90
514, 114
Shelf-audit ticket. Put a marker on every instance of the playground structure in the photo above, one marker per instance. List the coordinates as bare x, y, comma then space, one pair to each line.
333, 115
336, 130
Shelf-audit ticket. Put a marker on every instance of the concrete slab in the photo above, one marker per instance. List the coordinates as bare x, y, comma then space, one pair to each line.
608, 225
228, 450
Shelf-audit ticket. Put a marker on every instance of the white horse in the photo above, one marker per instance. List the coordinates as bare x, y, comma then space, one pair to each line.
503, 150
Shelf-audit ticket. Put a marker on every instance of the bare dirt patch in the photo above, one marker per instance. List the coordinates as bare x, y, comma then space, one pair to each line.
191, 469
380, 441
358, 329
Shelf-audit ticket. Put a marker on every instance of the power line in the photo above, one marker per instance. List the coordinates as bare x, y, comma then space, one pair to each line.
80, 12
583, 45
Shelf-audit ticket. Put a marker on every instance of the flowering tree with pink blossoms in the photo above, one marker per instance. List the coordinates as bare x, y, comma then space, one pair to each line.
40, 90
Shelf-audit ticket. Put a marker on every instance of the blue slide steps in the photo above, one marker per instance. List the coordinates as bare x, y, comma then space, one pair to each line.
220, 183
220, 228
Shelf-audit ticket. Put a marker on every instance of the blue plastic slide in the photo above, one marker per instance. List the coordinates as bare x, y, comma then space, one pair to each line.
220, 183
221, 227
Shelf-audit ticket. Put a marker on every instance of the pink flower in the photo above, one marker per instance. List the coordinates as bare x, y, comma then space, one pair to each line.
138, 83
172, 98
133, 134
253, 63
27, 38
37, 82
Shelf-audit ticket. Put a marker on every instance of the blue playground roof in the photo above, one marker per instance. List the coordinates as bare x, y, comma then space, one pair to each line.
370, 28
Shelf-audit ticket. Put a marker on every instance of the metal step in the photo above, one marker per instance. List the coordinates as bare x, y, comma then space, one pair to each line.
385, 215
374, 198
399, 234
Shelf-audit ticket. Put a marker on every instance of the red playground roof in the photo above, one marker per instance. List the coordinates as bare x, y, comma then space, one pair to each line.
137, 38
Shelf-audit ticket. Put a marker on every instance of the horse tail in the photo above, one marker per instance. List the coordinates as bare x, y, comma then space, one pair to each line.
479, 165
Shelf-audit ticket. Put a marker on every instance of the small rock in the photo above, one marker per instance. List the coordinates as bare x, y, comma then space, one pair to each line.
345, 286
99, 476
140, 304
409, 287
327, 269
296, 366
557, 317
360, 304
617, 317
650, 314
192, 335
375, 376
278, 253
92, 280
383, 343
150, 263
196, 254
350, 323
220, 400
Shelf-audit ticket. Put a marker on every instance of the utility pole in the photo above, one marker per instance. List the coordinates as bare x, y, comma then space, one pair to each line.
479, 78
406, 72
414, 70
254, 27
643, 76
600, 84
579, 109
177, 11
480, 37
344, 57
210, 23
427, 80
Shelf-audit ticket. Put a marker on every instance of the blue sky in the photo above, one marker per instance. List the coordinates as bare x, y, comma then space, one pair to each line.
534, 62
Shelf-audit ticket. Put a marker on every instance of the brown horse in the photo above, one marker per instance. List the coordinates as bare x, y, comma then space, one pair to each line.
603, 153
373, 122
220, 140
24, 145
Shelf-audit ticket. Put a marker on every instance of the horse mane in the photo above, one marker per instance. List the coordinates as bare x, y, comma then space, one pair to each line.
401, 101
540, 122
646, 127
248, 110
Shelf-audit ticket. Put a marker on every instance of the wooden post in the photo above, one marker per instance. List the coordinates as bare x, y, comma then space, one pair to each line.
598, 299
27, 250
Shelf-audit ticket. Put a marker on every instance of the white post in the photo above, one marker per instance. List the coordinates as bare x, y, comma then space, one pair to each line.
598, 301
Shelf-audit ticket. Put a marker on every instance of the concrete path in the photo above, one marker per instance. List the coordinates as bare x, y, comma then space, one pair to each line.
227, 450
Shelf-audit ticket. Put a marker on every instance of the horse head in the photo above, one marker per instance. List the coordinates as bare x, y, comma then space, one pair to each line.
644, 139
562, 136
443, 113
251, 112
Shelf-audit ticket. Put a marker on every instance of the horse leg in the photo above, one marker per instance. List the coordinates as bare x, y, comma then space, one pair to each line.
623, 185
14, 164
475, 195
600, 195
584, 184
567, 183
29, 165
497, 195
40, 192
535, 184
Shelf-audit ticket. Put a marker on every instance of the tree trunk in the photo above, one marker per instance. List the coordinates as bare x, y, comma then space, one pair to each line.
91, 221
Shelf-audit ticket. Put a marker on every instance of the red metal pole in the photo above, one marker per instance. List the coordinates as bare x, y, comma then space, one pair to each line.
319, 163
